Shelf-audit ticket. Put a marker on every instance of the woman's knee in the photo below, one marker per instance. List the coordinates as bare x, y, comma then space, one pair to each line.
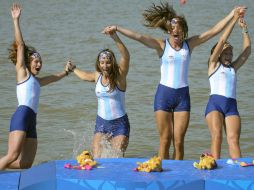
233, 140
120, 143
178, 144
165, 141
216, 136
13, 156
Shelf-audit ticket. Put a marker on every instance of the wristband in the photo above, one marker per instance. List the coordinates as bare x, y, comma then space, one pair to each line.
245, 30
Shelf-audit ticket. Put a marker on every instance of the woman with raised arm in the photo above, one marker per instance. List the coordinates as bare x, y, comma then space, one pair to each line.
112, 122
22, 143
221, 110
172, 99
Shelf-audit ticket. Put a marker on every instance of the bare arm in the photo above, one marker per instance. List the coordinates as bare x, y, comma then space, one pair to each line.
83, 75
125, 56
246, 50
20, 65
199, 39
213, 61
53, 78
148, 41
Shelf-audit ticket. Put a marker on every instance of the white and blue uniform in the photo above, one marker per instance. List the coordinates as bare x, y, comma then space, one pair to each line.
24, 118
173, 91
111, 114
28, 93
111, 105
223, 91
223, 82
175, 66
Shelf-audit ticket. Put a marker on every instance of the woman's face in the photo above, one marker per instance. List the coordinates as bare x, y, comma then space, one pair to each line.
176, 31
35, 65
105, 62
226, 56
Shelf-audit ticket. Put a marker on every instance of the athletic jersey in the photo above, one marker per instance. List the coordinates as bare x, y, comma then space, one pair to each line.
28, 93
223, 81
175, 66
111, 105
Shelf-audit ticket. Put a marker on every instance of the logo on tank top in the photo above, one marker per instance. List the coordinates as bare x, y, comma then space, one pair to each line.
170, 59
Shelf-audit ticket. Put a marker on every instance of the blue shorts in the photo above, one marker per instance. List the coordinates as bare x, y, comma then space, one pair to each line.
222, 104
24, 119
119, 126
172, 100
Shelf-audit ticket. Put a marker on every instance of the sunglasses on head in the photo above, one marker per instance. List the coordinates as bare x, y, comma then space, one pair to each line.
174, 21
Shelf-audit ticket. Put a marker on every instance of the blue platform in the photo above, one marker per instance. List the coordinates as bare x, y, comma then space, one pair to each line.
118, 174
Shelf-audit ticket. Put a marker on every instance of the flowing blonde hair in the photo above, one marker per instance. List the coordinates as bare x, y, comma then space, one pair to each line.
160, 16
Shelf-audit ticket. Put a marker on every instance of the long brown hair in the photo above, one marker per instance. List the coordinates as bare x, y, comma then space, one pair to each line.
114, 74
160, 16
28, 52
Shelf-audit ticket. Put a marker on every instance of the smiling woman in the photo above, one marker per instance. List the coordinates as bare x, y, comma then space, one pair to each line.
221, 110
112, 123
107, 64
22, 144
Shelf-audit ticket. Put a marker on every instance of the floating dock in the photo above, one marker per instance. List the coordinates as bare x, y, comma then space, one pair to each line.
118, 173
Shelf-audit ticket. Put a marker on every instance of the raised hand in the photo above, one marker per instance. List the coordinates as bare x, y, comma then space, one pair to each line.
109, 30
15, 11
242, 11
239, 11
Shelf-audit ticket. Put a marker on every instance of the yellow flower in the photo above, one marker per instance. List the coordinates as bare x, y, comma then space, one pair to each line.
154, 164
85, 158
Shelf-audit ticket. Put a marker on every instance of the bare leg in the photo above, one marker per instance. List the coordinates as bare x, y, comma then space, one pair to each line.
97, 148
181, 123
15, 145
233, 130
164, 126
27, 155
119, 144
215, 122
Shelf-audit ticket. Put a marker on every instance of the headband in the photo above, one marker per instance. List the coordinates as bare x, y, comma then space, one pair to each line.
36, 55
105, 54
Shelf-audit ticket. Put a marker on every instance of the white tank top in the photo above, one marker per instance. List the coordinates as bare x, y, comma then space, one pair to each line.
28, 93
223, 82
111, 105
175, 66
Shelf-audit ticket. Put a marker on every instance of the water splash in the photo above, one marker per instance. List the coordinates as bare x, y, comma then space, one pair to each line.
108, 151
83, 141
80, 142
